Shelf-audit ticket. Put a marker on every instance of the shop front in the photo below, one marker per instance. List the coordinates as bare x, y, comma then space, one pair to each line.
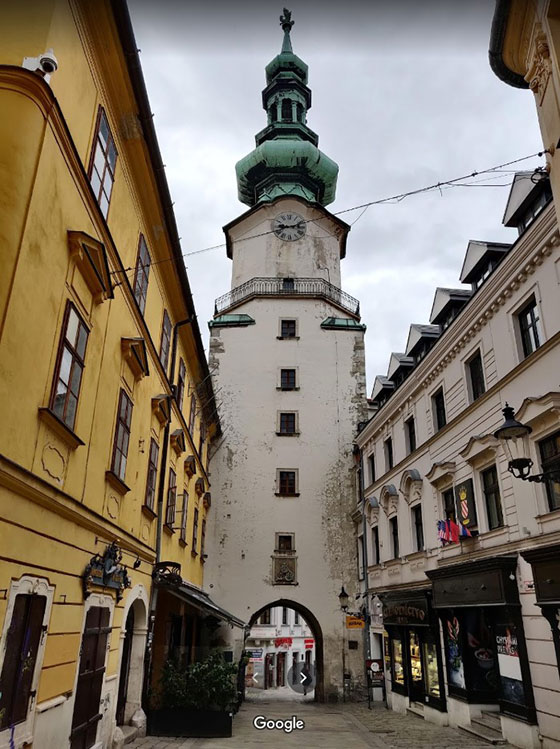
485, 650
412, 650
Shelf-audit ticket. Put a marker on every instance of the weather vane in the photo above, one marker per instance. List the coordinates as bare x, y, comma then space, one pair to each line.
286, 20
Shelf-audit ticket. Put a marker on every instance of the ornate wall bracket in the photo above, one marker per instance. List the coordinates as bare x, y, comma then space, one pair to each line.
106, 571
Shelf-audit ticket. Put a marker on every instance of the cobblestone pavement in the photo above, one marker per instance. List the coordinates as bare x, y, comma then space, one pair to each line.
348, 726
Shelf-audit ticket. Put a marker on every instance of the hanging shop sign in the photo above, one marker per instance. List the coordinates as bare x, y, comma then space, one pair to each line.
106, 572
466, 508
354, 622
406, 613
375, 670
256, 653
283, 642
309, 642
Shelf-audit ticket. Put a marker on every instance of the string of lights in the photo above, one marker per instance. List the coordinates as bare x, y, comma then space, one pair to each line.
393, 199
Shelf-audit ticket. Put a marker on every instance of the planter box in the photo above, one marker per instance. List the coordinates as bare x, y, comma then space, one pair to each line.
194, 724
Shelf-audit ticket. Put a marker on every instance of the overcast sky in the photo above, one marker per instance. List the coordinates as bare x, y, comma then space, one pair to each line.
403, 97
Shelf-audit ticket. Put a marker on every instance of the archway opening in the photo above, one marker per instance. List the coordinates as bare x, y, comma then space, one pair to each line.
285, 654
133, 636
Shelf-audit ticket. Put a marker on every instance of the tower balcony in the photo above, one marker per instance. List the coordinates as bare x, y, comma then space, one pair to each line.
315, 288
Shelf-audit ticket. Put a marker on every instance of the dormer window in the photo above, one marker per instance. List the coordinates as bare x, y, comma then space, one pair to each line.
533, 211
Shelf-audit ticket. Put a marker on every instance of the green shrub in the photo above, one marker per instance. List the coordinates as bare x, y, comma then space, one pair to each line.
206, 685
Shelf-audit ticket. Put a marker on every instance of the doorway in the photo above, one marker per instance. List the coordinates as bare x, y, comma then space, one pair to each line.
125, 666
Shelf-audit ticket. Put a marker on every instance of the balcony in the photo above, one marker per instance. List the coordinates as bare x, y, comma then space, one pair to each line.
287, 287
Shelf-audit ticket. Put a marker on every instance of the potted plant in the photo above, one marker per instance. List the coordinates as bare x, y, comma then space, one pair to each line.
196, 701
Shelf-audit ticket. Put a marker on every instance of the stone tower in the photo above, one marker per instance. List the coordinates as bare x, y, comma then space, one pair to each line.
287, 351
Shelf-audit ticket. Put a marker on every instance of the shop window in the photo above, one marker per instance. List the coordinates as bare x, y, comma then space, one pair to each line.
375, 545
287, 379
529, 327
103, 163
181, 384
288, 328
141, 274
550, 461
397, 662
418, 527
491, 491
448, 499
438, 410
431, 674
388, 447
23, 640
171, 499
394, 526
476, 376
165, 341
410, 429
371, 466
70, 364
416, 671
122, 436
152, 475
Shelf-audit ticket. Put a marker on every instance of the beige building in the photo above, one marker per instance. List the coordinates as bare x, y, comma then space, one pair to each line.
462, 554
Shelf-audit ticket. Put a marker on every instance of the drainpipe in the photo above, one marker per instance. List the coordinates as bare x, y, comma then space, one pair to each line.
159, 530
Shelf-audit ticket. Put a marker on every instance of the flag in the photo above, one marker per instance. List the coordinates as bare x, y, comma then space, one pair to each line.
441, 531
453, 531
464, 531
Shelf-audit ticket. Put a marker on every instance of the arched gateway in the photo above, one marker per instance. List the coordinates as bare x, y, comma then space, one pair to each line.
287, 355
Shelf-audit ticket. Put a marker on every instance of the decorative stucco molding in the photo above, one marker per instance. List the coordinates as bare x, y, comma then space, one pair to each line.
389, 499
440, 472
411, 485
479, 448
540, 68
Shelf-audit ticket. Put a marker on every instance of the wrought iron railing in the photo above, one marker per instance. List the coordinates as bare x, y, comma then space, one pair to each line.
310, 287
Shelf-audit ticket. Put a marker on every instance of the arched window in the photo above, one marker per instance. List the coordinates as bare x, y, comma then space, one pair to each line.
286, 110
272, 113
300, 114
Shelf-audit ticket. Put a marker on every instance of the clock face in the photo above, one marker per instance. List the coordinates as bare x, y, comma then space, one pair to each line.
289, 226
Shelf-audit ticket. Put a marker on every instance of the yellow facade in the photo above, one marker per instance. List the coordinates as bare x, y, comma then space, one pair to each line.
59, 502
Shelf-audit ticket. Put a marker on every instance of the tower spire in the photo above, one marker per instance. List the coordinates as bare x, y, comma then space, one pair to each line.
286, 23
286, 160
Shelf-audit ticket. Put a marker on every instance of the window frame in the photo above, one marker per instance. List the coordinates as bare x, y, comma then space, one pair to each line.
181, 380
165, 342
142, 274
280, 482
410, 427
475, 379
184, 515
192, 414
286, 386
282, 323
64, 343
287, 416
529, 305
445, 494
493, 488
151, 478
439, 414
171, 504
102, 116
194, 552
278, 536
418, 527
389, 455
376, 549
126, 426
548, 464
394, 533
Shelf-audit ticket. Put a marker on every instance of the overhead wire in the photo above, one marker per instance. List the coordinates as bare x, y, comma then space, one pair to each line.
445, 184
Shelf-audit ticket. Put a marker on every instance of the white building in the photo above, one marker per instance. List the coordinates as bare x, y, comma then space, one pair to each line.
279, 643
470, 625
288, 358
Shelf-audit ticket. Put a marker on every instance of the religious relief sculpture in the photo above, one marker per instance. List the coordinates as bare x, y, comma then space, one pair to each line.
284, 571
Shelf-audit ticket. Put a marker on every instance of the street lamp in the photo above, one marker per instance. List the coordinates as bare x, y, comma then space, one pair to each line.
343, 598
519, 464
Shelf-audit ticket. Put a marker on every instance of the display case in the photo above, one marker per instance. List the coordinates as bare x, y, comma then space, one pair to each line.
397, 661
415, 657
431, 674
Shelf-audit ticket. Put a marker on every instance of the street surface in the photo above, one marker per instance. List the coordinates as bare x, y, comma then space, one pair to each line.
346, 726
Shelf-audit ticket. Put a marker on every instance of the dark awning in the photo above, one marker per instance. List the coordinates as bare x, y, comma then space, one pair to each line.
200, 600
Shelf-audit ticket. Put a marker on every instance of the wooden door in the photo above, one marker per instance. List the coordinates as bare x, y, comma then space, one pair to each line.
91, 671
125, 667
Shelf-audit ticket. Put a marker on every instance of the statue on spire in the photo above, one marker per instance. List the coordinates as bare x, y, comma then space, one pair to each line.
286, 20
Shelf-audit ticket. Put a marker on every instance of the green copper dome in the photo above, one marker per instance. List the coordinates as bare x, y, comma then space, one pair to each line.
286, 160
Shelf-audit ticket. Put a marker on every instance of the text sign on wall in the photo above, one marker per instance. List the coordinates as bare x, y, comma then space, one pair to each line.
406, 612
354, 622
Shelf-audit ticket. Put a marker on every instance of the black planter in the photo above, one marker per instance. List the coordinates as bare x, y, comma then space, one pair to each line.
190, 723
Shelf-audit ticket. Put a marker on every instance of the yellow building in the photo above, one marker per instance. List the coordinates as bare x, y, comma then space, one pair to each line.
107, 405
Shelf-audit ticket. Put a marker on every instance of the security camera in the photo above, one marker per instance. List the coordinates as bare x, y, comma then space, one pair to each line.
48, 62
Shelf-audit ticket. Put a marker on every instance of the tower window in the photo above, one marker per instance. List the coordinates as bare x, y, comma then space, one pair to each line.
286, 110
300, 113
288, 329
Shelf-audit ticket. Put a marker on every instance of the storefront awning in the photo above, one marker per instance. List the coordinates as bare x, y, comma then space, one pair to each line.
196, 598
